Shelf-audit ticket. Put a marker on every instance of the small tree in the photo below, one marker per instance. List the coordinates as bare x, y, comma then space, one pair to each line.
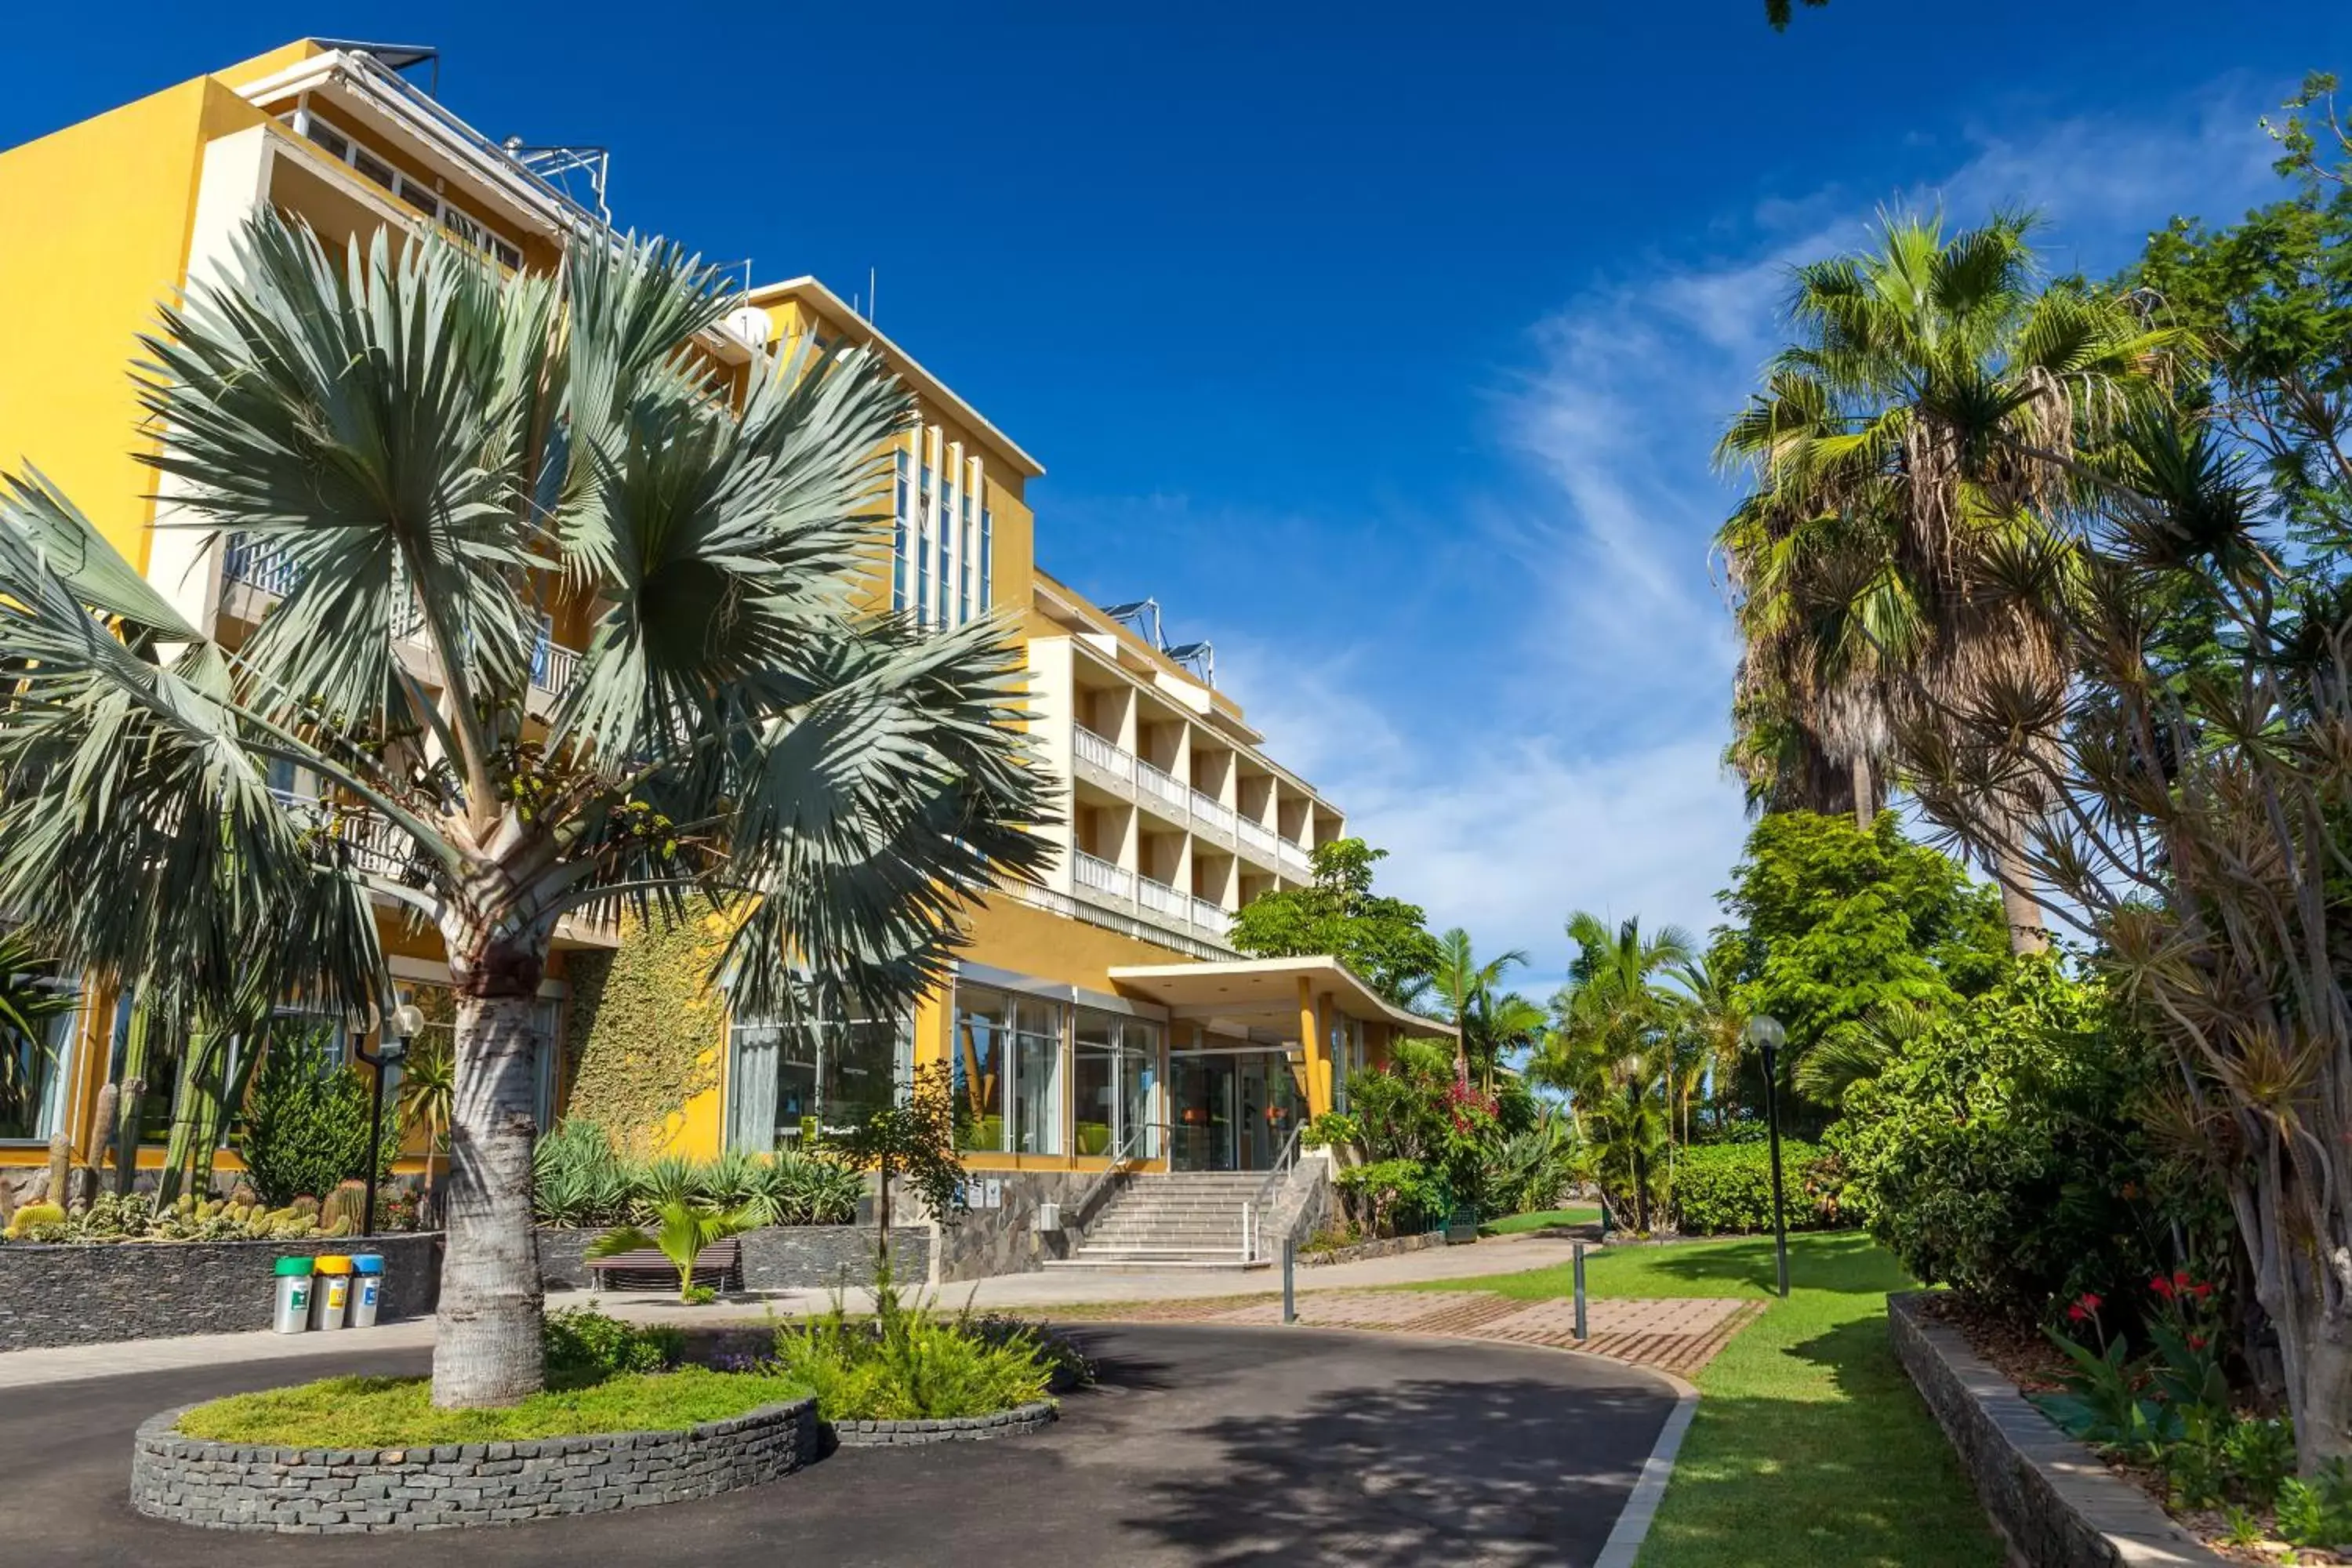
915, 1139
1384, 939
687, 1226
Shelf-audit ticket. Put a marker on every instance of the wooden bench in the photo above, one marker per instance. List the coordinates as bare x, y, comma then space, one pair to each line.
718, 1266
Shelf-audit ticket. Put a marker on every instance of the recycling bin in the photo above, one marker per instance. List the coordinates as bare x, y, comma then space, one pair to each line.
293, 1310
331, 1302
367, 1288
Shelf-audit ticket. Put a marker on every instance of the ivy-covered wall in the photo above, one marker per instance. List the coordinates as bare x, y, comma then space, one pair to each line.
644, 1032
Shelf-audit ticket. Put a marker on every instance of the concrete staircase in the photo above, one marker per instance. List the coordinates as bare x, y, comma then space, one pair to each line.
1185, 1220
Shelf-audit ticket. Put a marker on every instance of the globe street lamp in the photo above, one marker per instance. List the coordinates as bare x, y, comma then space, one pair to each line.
403, 1023
1765, 1033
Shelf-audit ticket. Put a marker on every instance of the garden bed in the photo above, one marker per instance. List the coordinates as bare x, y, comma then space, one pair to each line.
775, 1258
305, 1492
2058, 1505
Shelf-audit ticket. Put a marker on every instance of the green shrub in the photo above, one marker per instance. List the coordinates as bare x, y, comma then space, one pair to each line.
582, 1344
2003, 1154
911, 1364
307, 1126
1392, 1197
1726, 1188
579, 1181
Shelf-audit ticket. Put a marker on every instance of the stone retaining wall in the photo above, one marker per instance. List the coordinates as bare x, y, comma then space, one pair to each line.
92, 1293
964, 1429
775, 1258
1389, 1246
335, 1492
2058, 1506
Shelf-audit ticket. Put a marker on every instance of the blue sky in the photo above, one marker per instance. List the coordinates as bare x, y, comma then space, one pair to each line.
1384, 346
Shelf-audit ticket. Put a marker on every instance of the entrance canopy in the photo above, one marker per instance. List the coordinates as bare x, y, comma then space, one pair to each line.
1245, 994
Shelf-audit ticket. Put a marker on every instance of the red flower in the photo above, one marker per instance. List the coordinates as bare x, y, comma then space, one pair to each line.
2090, 1301
2200, 1290
2197, 1341
2161, 1286
2181, 1278
2077, 1314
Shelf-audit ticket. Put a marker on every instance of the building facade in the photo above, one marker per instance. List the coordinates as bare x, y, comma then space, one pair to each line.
1098, 1018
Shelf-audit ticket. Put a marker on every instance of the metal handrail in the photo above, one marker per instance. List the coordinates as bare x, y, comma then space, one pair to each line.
1277, 1175
1121, 1157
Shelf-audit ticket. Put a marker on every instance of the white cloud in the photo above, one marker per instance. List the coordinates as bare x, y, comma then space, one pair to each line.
1574, 761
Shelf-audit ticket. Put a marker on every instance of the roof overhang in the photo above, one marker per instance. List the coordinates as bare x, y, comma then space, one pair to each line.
1264, 991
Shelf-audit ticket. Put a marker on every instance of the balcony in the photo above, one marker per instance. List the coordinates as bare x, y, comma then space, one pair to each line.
1259, 842
1297, 861
1160, 791
1212, 917
1161, 900
1103, 761
1100, 878
264, 566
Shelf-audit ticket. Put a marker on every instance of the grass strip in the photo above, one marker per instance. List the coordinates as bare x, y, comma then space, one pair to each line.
1809, 1445
398, 1412
1542, 1219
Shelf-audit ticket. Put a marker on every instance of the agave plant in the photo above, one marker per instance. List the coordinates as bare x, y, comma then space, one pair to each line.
440, 456
577, 1178
808, 1189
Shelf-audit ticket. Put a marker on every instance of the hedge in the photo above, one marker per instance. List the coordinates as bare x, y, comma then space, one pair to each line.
1722, 1188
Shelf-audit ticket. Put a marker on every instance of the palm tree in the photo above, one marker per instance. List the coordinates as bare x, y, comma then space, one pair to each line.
1610, 1049
441, 456
1714, 1018
1911, 443
1467, 987
27, 1003
427, 1099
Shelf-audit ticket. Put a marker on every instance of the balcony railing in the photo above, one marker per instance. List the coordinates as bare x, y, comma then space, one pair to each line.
1257, 838
1212, 917
1112, 758
1297, 859
552, 664
1161, 899
1214, 812
1163, 785
1101, 875
258, 563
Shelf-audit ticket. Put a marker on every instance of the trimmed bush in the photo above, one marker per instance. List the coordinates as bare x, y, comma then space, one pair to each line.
1725, 1188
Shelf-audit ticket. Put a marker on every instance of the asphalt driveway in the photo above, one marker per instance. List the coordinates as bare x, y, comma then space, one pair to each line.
1202, 1446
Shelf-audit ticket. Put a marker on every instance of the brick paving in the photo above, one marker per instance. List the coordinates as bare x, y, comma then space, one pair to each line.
1676, 1335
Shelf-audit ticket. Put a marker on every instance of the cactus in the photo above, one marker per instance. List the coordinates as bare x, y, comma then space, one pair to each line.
305, 1205
348, 1202
32, 1215
61, 1165
342, 1225
243, 1193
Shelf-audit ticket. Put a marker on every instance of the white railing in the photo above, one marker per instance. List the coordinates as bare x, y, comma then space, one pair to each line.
258, 563
1161, 899
376, 847
552, 664
1157, 780
1092, 871
1257, 838
1212, 811
1212, 917
1296, 859
1105, 755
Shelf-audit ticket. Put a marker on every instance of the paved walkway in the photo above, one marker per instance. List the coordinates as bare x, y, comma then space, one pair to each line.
1204, 1447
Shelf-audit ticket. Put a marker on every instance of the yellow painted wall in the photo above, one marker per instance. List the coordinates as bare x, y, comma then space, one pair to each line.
96, 222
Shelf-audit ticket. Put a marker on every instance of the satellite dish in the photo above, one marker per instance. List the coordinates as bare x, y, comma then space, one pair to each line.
752, 324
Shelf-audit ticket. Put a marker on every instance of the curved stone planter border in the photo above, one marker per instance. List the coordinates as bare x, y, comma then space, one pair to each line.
2058, 1506
1387, 1247
341, 1492
962, 1429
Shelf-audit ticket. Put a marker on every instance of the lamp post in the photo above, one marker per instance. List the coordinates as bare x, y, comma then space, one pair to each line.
404, 1023
1767, 1034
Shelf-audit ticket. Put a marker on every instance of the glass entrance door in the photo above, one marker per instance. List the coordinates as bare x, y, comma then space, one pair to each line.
1203, 1105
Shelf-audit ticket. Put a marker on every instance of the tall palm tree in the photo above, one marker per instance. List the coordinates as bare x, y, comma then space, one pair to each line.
439, 456
1929, 405
427, 1099
1467, 986
1714, 1019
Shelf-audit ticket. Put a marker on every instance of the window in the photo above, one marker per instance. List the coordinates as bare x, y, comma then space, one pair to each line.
902, 511
1008, 1050
987, 553
783, 1079
963, 564
332, 140
375, 169
1114, 1080
416, 192
33, 1067
942, 531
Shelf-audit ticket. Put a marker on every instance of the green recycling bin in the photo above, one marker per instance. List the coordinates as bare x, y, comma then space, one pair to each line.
293, 1297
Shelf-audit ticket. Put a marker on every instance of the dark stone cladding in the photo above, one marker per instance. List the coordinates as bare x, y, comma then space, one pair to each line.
775, 1258
964, 1429
94, 1293
341, 1491
2058, 1506
1357, 1252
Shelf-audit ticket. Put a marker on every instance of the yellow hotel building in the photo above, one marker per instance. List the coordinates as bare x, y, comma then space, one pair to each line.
1098, 1020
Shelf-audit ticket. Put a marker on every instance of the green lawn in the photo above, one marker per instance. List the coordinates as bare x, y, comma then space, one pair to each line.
398, 1412
1810, 1446
1540, 1220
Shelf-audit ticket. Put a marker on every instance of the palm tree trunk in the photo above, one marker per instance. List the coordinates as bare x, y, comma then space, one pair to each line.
2027, 933
486, 1348
1865, 798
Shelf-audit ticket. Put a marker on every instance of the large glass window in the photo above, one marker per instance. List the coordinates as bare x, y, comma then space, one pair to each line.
1007, 1072
785, 1079
1115, 1073
33, 1067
